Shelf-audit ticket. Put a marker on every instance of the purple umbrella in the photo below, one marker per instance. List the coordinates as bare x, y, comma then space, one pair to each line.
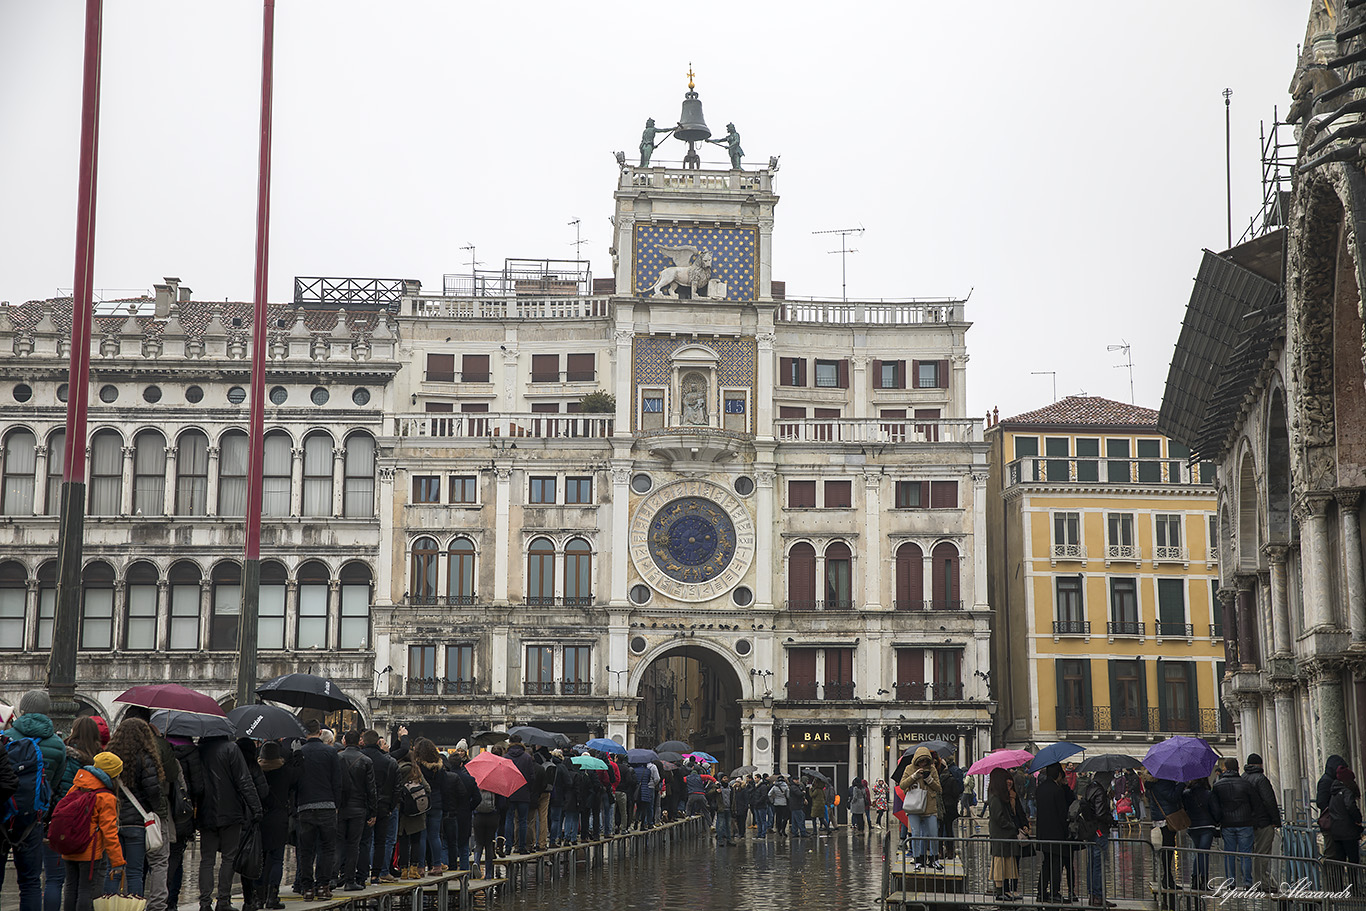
1180, 759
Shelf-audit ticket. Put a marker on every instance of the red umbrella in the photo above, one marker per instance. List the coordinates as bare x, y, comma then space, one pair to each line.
171, 696
496, 773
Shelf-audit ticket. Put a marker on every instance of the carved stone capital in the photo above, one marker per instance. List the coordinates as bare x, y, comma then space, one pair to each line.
624, 336
503, 472
766, 338
960, 360
1312, 505
40, 450
765, 478
128, 452
621, 476
1227, 597
860, 361
386, 474
872, 481
213, 452
1347, 499
1275, 553
1251, 701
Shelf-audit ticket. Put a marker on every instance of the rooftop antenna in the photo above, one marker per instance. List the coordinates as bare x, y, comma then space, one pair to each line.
474, 278
1128, 362
578, 239
844, 252
1228, 165
1052, 373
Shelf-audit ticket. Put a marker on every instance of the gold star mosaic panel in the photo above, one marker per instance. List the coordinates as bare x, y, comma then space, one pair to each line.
734, 255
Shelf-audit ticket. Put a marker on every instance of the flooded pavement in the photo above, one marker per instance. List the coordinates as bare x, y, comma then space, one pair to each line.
842, 871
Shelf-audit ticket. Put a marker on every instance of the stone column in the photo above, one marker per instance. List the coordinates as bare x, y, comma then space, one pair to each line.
621, 522
1229, 608
171, 492
338, 479
498, 648
747, 749
126, 492
853, 752
205, 611
873, 754
872, 542
503, 548
40, 482
820, 670
211, 488
767, 370
623, 379
1287, 736
387, 561
1326, 681
1349, 522
1280, 609
163, 615
292, 615
1247, 621
333, 613
781, 762
296, 482
1315, 560
766, 566
979, 543
30, 643
1248, 706
858, 381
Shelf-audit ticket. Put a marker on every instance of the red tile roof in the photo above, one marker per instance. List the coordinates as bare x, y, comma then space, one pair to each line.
1086, 411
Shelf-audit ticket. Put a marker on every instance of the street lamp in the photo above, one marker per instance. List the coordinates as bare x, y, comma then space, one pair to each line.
618, 700
767, 696
685, 710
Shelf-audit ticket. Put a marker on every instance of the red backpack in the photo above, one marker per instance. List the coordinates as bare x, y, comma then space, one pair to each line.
72, 826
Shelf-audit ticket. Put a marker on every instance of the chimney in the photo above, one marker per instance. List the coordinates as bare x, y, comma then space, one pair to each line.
164, 298
184, 293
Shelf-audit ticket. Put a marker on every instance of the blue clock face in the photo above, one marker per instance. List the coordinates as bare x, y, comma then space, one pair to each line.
691, 539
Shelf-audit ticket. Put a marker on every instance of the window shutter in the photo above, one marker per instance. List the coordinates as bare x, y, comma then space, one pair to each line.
439, 407
1142, 690
915, 374
910, 665
474, 368
910, 572
474, 407
838, 494
1086, 685
877, 375
801, 665
1114, 691
784, 371
580, 368
943, 374
1162, 706
901, 374
941, 554
839, 665
801, 495
844, 374
1192, 692
924, 494
801, 371
802, 577
791, 412
943, 494
441, 368
545, 368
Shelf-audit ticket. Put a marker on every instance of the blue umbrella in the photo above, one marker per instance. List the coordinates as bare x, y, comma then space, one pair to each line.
638, 756
1181, 759
1054, 752
606, 745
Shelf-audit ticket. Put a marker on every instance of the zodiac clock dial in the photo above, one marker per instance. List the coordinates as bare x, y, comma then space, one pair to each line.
692, 540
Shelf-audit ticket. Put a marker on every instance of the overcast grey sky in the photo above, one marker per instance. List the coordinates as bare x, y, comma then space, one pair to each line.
1065, 161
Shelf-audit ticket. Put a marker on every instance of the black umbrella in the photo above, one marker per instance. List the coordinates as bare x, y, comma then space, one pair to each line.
1108, 762
673, 746
537, 737
489, 738
812, 773
942, 747
191, 724
669, 755
306, 691
265, 722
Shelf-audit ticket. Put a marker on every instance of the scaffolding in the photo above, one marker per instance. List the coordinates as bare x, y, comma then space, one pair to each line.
1278, 169
522, 278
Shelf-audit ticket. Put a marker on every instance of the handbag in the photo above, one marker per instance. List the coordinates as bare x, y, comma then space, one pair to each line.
251, 855
1179, 821
915, 802
156, 838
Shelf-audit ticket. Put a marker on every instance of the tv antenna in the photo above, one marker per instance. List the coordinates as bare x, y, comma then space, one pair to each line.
578, 239
1052, 373
844, 252
1128, 362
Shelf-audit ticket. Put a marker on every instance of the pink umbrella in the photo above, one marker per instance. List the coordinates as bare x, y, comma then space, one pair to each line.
496, 773
1000, 759
171, 696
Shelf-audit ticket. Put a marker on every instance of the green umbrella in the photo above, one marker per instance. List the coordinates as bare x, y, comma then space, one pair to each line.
589, 762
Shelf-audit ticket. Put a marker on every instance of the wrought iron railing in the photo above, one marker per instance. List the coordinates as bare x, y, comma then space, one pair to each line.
558, 601
1165, 628
1071, 627
539, 687
820, 605
421, 600
1124, 628
1148, 721
575, 688
843, 690
458, 687
801, 689
939, 604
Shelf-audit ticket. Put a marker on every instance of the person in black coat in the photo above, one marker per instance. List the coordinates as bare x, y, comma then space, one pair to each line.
187, 755
251, 899
386, 780
357, 814
455, 802
281, 772
230, 802
1324, 794
466, 796
317, 795
1052, 798
1202, 806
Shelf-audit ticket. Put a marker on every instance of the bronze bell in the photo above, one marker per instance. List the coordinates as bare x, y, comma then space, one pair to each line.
691, 127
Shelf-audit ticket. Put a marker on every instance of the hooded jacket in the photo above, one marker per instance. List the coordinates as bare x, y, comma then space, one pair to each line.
1330, 775
527, 766
1267, 812
59, 772
104, 823
1344, 809
386, 779
434, 773
923, 776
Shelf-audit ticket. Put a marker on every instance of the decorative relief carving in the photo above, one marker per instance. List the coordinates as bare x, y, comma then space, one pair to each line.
692, 540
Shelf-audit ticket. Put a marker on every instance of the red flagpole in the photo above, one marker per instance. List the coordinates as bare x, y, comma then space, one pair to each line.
251, 567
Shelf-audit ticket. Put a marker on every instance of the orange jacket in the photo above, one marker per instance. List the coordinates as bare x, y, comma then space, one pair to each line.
104, 825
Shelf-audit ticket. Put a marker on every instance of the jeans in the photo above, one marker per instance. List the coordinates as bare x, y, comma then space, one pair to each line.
1201, 839
133, 840
224, 841
1237, 854
317, 847
28, 862
485, 827
798, 822
348, 847
457, 832
54, 875
609, 806
518, 811
436, 846
175, 875
1095, 866
645, 814
571, 825
924, 831
272, 871
365, 850
556, 825
384, 844
722, 826
84, 883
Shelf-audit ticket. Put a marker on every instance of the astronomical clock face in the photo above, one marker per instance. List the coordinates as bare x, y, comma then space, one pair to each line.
692, 540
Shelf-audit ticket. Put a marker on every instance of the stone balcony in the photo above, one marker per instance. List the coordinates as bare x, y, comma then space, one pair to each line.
503, 426
878, 432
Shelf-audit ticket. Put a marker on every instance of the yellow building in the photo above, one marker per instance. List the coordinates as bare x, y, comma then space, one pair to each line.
1103, 574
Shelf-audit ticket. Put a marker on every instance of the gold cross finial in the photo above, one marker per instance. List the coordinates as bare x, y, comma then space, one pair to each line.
690, 75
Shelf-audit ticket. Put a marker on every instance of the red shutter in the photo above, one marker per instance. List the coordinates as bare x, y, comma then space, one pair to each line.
944, 553
943, 374
784, 371
801, 371
545, 368
924, 494
440, 407
579, 368
441, 368
910, 581
801, 673
901, 374
910, 673
844, 374
801, 578
877, 375
893, 414
838, 494
915, 374
545, 407
474, 368
475, 407
802, 495
943, 494
839, 665
826, 412
791, 412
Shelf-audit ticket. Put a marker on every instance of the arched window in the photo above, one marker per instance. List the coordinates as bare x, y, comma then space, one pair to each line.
192, 474
944, 587
839, 590
355, 606
314, 579
460, 571
910, 577
578, 573
270, 614
106, 473
56, 458
20, 461
225, 610
540, 573
318, 475
358, 493
140, 619
13, 603
801, 577
149, 474
422, 589
47, 603
184, 581
275, 476
97, 606
232, 474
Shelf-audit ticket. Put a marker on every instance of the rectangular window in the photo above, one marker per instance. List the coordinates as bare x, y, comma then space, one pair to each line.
1208, 472
948, 673
422, 669
1171, 607
463, 489
474, 408
542, 491
580, 368
792, 371
891, 374
1149, 468
47, 615
578, 491
1216, 612
355, 616
1177, 698
1067, 529
927, 424
226, 616
577, 665
827, 374
801, 494
1088, 468
912, 494
910, 674
652, 410
185, 617
839, 494
474, 368
1056, 468
540, 669
927, 374
791, 413
801, 673
1128, 699
97, 618
545, 368
1117, 469
439, 407
1070, 612
1168, 530
270, 621
12, 617
141, 632
1124, 606
943, 495
426, 489
312, 616
1120, 526
441, 368
460, 663
1074, 694
839, 673
545, 407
